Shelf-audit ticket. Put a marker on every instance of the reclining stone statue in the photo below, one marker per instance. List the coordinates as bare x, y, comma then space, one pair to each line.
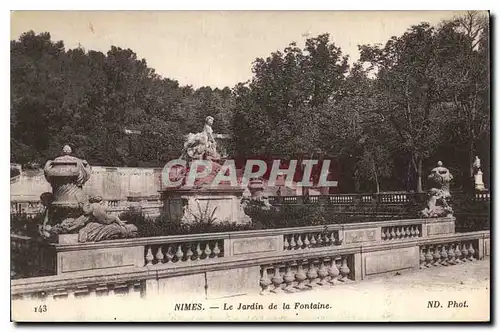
93, 223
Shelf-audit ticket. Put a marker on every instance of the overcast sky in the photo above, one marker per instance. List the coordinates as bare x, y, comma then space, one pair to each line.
215, 48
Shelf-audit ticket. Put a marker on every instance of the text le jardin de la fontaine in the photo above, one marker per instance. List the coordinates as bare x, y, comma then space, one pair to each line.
254, 306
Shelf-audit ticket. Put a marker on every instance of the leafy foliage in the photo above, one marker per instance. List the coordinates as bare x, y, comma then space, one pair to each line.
418, 98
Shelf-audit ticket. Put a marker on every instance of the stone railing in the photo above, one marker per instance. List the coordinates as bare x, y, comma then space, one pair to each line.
129, 283
397, 198
186, 249
152, 206
31, 208
266, 272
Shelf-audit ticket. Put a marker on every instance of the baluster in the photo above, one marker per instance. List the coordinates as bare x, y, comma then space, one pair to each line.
207, 251
458, 254
403, 233
387, 233
189, 253
320, 239
286, 245
412, 231
179, 254
198, 251
344, 270
437, 256
169, 255
313, 240
332, 238
277, 280
451, 255
322, 273
292, 242
326, 239
306, 241
465, 252
299, 242
111, 290
393, 234
422, 258
149, 257
265, 282
333, 271
159, 255
289, 277
300, 276
471, 252
417, 232
216, 250
382, 235
398, 233
312, 274
444, 256
428, 257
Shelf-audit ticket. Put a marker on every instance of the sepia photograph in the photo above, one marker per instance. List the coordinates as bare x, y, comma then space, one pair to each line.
250, 166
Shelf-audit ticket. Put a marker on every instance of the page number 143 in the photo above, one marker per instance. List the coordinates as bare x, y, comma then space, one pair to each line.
41, 308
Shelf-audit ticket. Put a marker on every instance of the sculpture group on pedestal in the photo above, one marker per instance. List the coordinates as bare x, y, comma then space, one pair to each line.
187, 199
200, 146
439, 193
67, 211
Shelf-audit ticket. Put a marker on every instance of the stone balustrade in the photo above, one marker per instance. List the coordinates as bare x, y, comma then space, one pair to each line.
154, 206
305, 274
265, 273
450, 253
89, 286
401, 232
311, 237
184, 252
183, 249
32, 208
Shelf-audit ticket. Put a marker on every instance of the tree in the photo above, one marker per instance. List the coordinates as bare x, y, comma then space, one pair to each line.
87, 99
406, 91
280, 111
463, 78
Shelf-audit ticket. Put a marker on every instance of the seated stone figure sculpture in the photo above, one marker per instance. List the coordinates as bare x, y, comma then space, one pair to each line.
201, 146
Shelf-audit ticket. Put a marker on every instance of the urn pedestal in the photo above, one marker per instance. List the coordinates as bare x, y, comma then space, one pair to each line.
189, 205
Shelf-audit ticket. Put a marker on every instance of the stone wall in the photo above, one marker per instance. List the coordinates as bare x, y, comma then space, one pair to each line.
112, 183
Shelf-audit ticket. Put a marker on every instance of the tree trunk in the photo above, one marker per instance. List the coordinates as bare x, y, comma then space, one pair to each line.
375, 176
471, 158
419, 176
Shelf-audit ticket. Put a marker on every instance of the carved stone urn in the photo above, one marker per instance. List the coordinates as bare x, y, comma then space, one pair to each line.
256, 187
67, 175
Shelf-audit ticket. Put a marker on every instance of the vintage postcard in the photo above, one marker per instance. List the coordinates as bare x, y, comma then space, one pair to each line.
251, 166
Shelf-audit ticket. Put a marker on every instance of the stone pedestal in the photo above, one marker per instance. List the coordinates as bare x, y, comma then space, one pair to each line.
189, 204
478, 181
